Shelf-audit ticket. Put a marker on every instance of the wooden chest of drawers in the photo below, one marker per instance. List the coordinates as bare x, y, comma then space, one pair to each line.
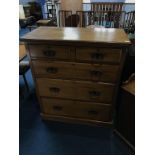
77, 71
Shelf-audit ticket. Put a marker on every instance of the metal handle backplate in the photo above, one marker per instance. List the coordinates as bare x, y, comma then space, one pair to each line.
54, 89
49, 53
52, 70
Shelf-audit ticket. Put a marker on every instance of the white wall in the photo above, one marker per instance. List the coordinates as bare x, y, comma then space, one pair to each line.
21, 12
23, 2
129, 1
126, 1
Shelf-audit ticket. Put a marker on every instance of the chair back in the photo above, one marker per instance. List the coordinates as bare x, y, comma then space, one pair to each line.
85, 18
106, 6
113, 19
65, 18
129, 22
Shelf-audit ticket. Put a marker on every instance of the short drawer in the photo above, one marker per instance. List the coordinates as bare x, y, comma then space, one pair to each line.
96, 92
54, 69
52, 52
99, 55
77, 109
97, 72
56, 88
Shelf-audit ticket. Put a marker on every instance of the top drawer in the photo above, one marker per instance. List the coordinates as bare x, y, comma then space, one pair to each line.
99, 55
52, 52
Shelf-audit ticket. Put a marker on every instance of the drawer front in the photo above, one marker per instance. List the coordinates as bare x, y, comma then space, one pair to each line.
52, 52
99, 55
83, 110
80, 71
56, 88
54, 69
86, 91
97, 72
96, 92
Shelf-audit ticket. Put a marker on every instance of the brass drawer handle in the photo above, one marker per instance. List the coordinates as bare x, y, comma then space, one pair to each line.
52, 70
49, 53
57, 108
97, 56
92, 112
54, 89
94, 93
95, 73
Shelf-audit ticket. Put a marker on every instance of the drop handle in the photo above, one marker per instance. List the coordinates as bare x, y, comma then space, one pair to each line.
52, 70
49, 53
94, 93
54, 89
95, 73
97, 56
92, 112
57, 108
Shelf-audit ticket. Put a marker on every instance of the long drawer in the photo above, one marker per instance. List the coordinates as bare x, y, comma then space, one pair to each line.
76, 109
98, 55
79, 71
52, 52
87, 91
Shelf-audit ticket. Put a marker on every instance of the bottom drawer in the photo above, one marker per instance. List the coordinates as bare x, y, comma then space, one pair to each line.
86, 110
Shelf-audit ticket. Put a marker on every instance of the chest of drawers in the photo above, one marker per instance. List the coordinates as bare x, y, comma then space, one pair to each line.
77, 72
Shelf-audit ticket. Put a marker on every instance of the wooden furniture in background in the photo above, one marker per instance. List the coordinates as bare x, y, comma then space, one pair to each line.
44, 22
129, 22
85, 18
27, 21
125, 118
51, 11
106, 6
65, 18
24, 66
73, 6
35, 10
109, 19
77, 72
22, 52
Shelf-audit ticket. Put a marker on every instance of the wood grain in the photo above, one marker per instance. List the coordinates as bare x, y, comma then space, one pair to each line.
99, 55
76, 109
87, 91
22, 52
76, 71
71, 5
130, 87
52, 52
102, 35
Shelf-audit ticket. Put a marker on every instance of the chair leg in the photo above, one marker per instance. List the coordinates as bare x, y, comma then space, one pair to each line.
25, 82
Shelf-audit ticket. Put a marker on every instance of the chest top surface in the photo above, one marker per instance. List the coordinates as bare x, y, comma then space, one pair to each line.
90, 35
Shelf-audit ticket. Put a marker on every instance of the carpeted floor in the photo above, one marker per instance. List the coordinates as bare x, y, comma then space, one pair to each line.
53, 138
